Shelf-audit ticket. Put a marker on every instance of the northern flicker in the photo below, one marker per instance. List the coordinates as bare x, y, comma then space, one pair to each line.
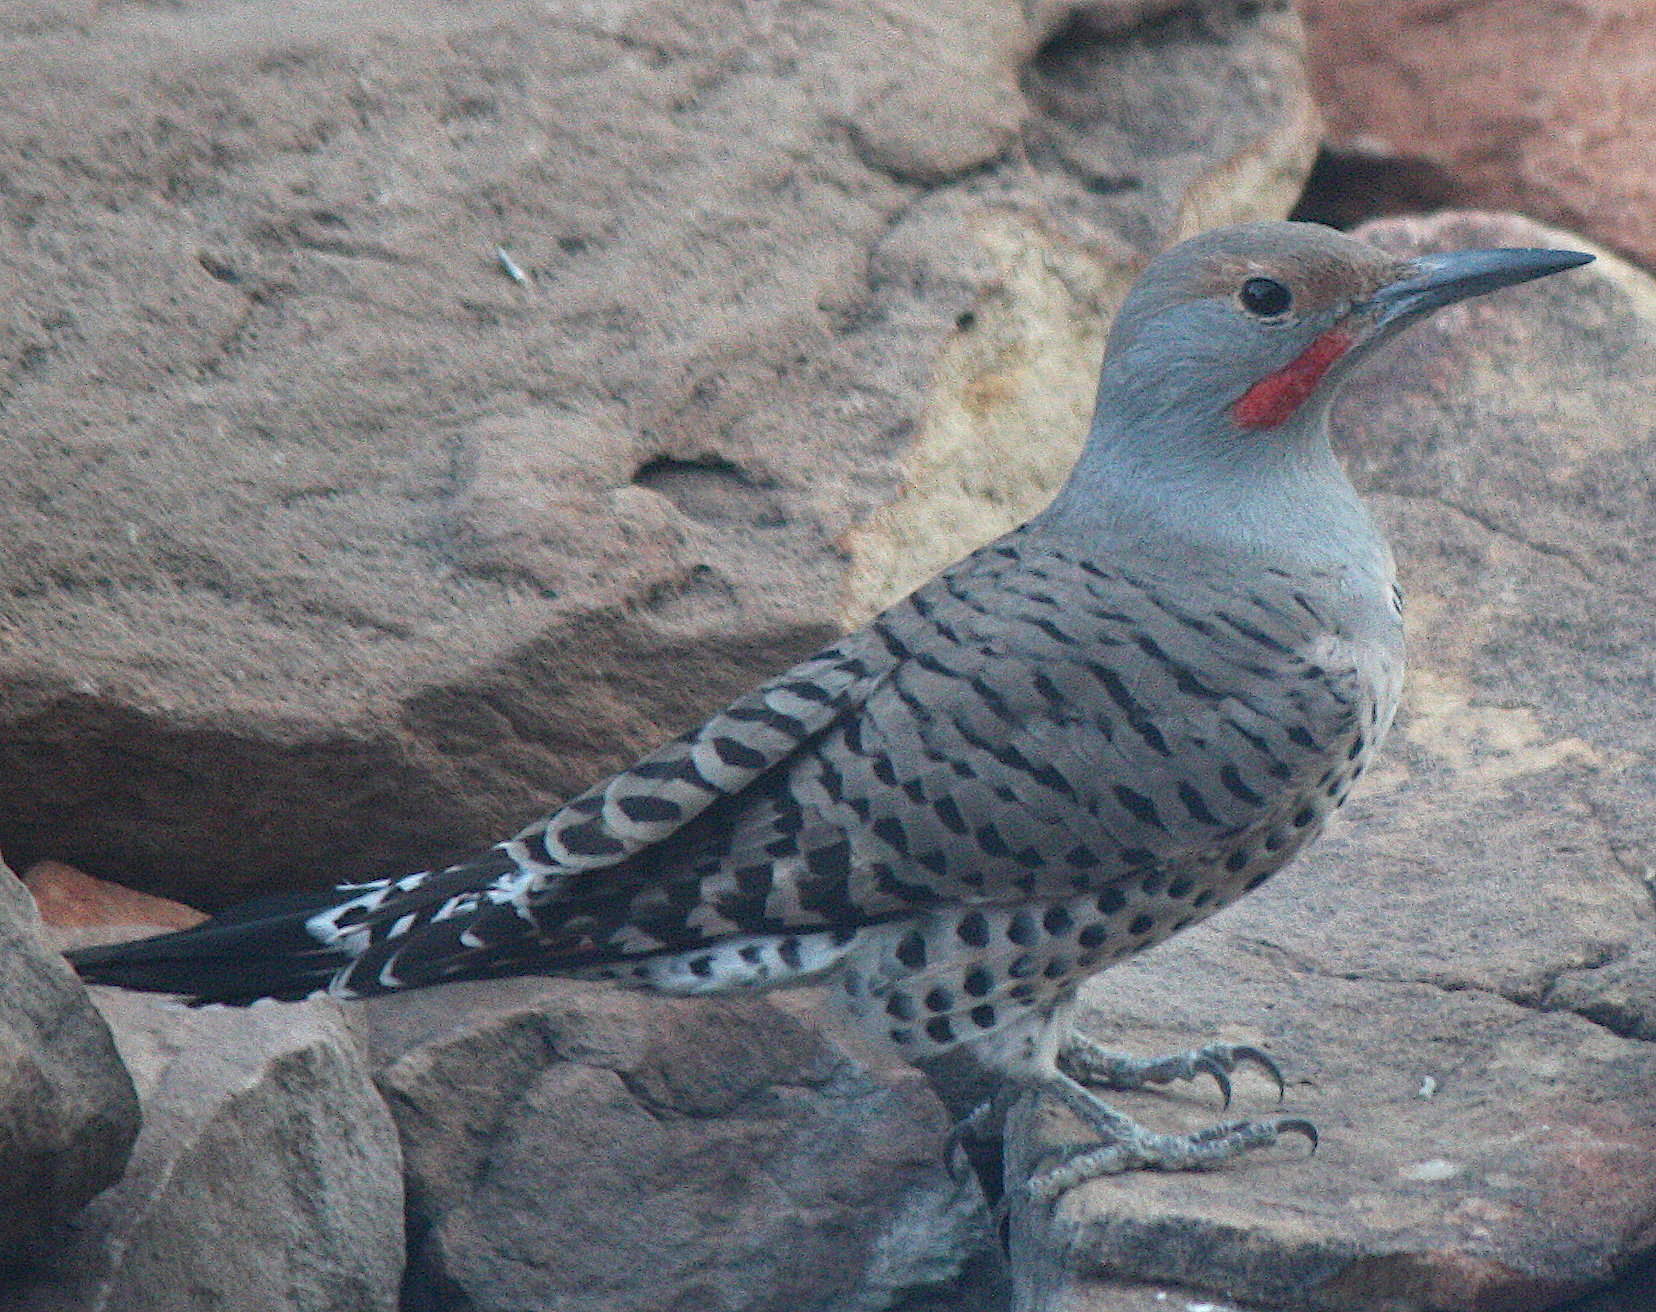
1070, 745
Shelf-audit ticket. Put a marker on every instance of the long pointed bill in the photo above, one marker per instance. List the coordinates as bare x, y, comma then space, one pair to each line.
1429, 282
1438, 280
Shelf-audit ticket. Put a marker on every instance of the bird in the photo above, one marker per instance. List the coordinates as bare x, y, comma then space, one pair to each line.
1085, 736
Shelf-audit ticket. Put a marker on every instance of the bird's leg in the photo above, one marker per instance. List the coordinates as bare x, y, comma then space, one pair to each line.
1129, 1146
1090, 1063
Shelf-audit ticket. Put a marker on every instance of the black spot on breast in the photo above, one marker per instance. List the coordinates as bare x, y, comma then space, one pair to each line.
1022, 967
1203, 898
911, 950
1057, 920
1152, 884
900, 1006
1237, 860
1021, 929
973, 929
1092, 936
983, 1016
1111, 901
1304, 816
938, 1030
750, 953
902, 1037
1180, 888
939, 999
978, 982
1141, 924
702, 966
1057, 968
788, 950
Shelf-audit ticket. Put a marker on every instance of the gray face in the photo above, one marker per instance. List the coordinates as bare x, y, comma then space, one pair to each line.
1223, 315
1251, 328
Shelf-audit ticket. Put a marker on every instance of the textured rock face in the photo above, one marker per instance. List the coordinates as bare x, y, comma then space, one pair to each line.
1459, 978
1502, 104
267, 1174
334, 549
68, 1114
570, 1146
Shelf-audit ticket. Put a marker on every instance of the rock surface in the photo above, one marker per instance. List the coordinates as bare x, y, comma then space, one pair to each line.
81, 910
576, 1147
334, 548
68, 1113
267, 1175
1502, 104
1460, 980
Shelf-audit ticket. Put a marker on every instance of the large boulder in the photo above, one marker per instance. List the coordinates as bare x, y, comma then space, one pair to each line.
339, 543
267, 1175
68, 1112
575, 1147
1459, 980
1545, 109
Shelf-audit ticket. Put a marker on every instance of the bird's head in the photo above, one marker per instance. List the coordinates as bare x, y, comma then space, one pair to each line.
1221, 366
1253, 327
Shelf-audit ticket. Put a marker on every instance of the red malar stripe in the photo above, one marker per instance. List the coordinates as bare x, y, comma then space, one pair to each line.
1276, 396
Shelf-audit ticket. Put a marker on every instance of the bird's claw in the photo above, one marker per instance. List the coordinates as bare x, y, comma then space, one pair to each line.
1096, 1066
1124, 1145
1220, 1059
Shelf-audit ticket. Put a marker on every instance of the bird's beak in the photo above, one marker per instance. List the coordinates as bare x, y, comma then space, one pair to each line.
1429, 282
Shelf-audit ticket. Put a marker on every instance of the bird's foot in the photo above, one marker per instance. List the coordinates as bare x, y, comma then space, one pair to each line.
1129, 1146
1090, 1063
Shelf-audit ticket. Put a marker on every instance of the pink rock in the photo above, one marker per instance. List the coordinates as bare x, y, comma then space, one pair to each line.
70, 900
1547, 109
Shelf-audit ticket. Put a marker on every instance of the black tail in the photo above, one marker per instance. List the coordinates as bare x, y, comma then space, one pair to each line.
355, 940
260, 949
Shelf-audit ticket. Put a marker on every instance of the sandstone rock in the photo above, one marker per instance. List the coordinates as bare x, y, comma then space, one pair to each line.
267, 1174
577, 1147
80, 910
1546, 109
1458, 980
68, 1114
333, 549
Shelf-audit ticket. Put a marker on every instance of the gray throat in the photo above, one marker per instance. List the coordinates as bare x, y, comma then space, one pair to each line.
1280, 497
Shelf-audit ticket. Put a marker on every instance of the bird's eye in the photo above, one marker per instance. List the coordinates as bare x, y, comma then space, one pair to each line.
1265, 297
